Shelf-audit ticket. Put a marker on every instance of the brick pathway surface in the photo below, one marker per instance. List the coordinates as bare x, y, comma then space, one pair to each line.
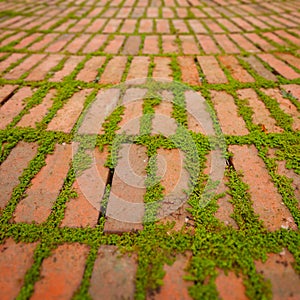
73, 218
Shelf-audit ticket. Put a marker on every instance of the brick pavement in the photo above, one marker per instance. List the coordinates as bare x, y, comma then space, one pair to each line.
59, 236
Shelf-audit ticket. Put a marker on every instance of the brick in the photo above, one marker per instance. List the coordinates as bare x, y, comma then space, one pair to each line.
146, 25
181, 11
124, 12
138, 12
259, 68
96, 26
180, 26
257, 23
138, 68
45, 188
10, 60
109, 12
12, 168
279, 66
208, 44
169, 44
127, 191
259, 42
63, 27
114, 70
112, 26
83, 211
229, 25
211, 69
162, 68
95, 43
37, 113
59, 43
279, 270
47, 39
14, 106
189, 71
294, 89
113, 275
287, 36
196, 26
80, 25
243, 24
28, 40
115, 45
226, 44
47, 25
230, 121
152, 12
174, 287
267, 202
290, 59
236, 70
230, 286
151, 45
243, 43
61, 273
213, 26
90, 70
284, 21
261, 115
162, 26
188, 44
167, 13
67, 116
285, 105
95, 12
25, 66
211, 12
132, 45
15, 260
128, 26
6, 92
42, 70
271, 36
77, 43
67, 69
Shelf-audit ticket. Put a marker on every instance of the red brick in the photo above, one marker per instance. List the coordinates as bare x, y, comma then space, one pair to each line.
284, 21
267, 202
47, 39
180, 26
45, 188
127, 191
167, 13
138, 68
6, 92
151, 45
257, 23
15, 260
286, 106
67, 69
244, 43
80, 25
259, 68
188, 44
230, 286
189, 71
25, 66
271, 36
77, 43
96, 25
113, 276
115, 45
109, 12
90, 70
132, 45
95, 12
11, 169
112, 26
62, 272
162, 68
259, 42
290, 59
196, 26
279, 66
213, 26
84, 210
124, 12
14, 106
28, 40
287, 36
95, 43
225, 43
162, 26
211, 69
211, 12
243, 24
37, 113
59, 43
279, 270
230, 121
181, 11
208, 44
236, 70
261, 115
294, 89
48, 24
146, 25
42, 70
174, 287
138, 12
128, 26
169, 44
170, 3
268, 20
114, 70
229, 25
152, 12
63, 27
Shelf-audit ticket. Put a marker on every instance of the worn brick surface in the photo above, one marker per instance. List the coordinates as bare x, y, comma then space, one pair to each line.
151, 45
113, 275
138, 68
114, 70
189, 71
61, 272
10, 60
90, 70
15, 260
45, 187
6, 92
162, 68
